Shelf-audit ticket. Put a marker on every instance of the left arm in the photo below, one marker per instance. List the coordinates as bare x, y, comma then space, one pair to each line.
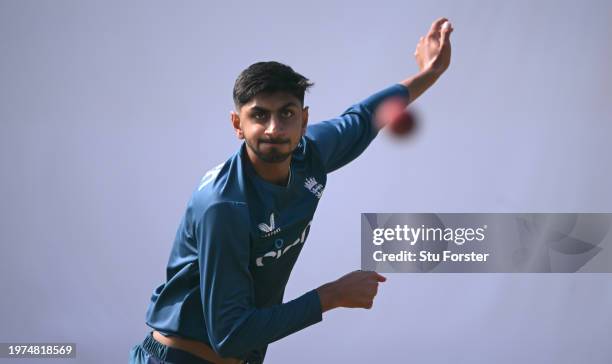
343, 139
433, 55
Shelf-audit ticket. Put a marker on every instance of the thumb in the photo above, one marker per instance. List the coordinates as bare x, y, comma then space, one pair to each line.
446, 30
380, 278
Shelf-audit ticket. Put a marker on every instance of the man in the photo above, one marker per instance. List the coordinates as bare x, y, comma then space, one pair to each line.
249, 218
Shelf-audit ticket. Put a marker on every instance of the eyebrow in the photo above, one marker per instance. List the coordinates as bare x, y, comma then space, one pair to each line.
259, 108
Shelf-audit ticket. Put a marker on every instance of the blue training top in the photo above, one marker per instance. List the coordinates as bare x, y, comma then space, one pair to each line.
240, 237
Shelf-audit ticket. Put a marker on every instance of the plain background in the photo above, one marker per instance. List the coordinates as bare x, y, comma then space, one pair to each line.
111, 111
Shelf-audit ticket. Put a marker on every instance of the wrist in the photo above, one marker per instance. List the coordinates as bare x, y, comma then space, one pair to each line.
421, 81
328, 296
430, 73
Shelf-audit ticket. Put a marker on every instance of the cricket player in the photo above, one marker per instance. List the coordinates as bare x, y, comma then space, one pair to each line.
249, 218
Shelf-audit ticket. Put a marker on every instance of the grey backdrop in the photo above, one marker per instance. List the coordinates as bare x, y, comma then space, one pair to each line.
110, 112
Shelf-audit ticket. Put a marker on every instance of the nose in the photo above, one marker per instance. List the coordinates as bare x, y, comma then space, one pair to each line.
274, 127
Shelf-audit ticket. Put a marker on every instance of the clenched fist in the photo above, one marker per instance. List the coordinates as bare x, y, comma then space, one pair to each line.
353, 290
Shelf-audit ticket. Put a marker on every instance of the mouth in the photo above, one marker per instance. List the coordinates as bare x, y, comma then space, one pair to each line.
274, 142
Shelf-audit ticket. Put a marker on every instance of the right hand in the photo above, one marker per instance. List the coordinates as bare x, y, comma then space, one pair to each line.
353, 290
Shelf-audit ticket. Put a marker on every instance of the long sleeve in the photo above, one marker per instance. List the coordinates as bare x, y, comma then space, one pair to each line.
342, 139
235, 326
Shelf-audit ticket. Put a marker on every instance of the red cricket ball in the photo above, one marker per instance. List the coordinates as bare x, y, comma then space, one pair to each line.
394, 116
403, 123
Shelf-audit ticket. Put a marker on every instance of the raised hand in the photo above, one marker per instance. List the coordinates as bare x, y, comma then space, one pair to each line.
433, 51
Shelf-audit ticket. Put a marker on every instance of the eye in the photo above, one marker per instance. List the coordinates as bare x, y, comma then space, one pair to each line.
287, 114
259, 115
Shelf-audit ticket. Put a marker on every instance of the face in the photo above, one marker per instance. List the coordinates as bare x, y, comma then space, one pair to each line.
271, 125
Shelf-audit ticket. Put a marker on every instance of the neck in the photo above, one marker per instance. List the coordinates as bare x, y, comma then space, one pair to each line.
276, 173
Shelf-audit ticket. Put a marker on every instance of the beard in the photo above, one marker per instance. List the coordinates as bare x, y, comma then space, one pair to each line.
274, 154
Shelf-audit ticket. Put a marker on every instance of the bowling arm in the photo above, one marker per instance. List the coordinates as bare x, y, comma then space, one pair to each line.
420, 82
433, 56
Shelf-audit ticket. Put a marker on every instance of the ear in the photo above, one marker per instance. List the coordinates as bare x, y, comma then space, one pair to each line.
304, 119
235, 119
